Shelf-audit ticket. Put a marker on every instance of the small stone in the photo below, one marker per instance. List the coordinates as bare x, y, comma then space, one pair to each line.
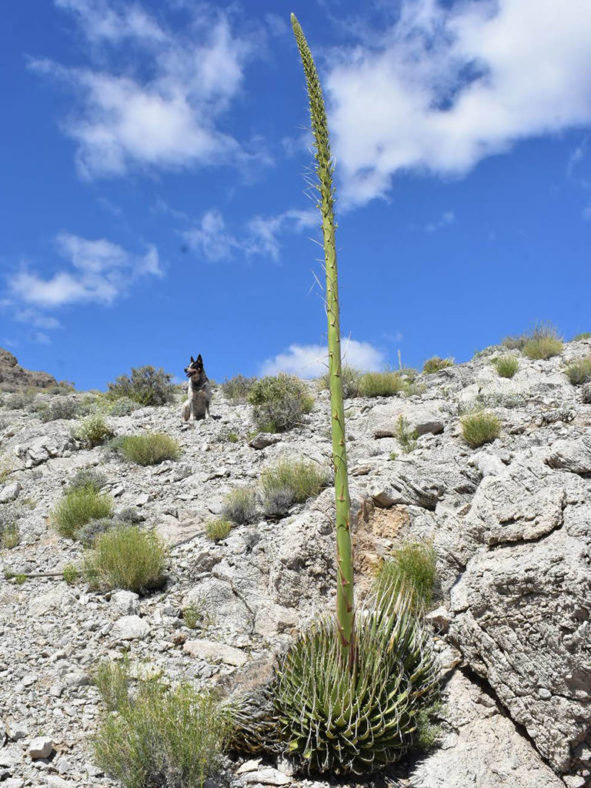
208, 649
126, 602
268, 776
130, 628
13, 782
10, 492
263, 439
58, 782
439, 618
40, 747
544, 693
249, 766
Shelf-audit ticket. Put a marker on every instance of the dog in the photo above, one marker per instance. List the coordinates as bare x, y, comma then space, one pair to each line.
198, 392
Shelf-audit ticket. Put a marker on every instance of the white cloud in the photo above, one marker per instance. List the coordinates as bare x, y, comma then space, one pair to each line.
311, 361
447, 86
36, 319
102, 271
211, 238
163, 109
447, 218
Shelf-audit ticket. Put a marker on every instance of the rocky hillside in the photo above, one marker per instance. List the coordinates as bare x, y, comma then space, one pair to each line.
510, 521
14, 377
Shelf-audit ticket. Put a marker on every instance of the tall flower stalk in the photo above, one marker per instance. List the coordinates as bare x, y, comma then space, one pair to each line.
324, 172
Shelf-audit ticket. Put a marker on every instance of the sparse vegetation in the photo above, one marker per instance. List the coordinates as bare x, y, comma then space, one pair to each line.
159, 735
506, 366
237, 388
89, 532
579, 372
122, 406
146, 386
584, 335
288, 483
414, 566
480, 428
240, 506
216, 530
87, 477
61, 408
436, 364
126, 557
149, 449
70, 573
350, 379
78, 507
10, 536
279, 402
382, 384
542, 343
93, 430
406, 437
196, 615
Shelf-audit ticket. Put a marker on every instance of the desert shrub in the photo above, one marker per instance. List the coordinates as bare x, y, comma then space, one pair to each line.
60, 409
93, 430
126, 557
543, 342
95, 528
113, 681
381, 384
279, 402
350, 379
435, 364
216, 530
584, 335
87, 477
240, 506
79, 507
406, 437
479, 428
514, 342
70, 573
149, 449
196, 615
288, 483
147, 386
123, 406
237, 388
20, 400
506, 366
414, 566
579, 372
160, 735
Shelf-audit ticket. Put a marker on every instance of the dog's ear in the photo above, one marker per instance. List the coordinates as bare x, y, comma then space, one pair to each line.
199, 359
192, 360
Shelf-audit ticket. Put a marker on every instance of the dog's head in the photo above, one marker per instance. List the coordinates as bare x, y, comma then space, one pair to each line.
195, 367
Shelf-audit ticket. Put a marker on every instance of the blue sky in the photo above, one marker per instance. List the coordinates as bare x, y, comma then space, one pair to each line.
154, 158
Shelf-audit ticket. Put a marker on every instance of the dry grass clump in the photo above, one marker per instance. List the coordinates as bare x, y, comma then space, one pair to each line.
480, 428
93, 431
350, 379
78, 507
543, 342
288, 483
126, 557
216, 530
149, 449
414, 566
279, 402
158, 735
579, 372
436, 364
237, 388
506, 366
240, 506
382, 384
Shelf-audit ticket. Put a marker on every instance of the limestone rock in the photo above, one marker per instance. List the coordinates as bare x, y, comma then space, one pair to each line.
207, 649
130, 628
41, 747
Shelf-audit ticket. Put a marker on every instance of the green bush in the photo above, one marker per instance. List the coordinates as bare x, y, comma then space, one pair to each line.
93, 431
10, 536
123, 406
128, 558
542, 343
240, 506
279, 402
289, 483
515, 342
382, 384
579, 372
414, 566
89, 532
147, 386
161, 736
479, 428
78, 507
70, 573
112, 681
149, 449
87, 477
350, 379
60, 409
237, 388
216, 530
436, 364
506, 366
584, 335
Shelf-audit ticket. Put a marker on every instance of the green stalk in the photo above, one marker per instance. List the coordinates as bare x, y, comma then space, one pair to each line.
324, 170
